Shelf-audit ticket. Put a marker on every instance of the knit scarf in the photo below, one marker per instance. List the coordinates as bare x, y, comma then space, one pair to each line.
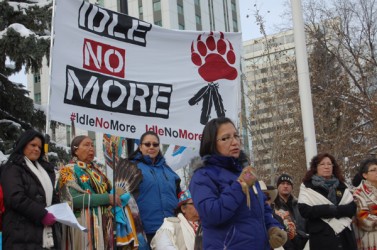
329, 184
40, 172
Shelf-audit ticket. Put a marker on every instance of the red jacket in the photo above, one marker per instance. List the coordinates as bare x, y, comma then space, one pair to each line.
2, 208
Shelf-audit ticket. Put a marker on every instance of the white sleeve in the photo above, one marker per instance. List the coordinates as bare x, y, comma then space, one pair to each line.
162, 241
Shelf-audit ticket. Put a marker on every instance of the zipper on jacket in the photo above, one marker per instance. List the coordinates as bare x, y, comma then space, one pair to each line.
166, 177
156, 179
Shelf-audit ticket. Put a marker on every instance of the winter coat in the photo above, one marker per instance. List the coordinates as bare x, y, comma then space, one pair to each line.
321, 235
25, 202
291, 206
176, 233
227, 221
157, 193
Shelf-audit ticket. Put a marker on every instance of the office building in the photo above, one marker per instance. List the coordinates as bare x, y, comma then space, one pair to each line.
271, 79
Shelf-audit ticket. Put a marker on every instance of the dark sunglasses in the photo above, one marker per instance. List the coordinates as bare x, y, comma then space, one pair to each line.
148, 144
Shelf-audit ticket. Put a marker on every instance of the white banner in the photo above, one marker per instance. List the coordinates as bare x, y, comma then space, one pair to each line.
119, 75
178, 157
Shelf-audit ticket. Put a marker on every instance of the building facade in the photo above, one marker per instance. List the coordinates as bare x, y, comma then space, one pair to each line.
269, 68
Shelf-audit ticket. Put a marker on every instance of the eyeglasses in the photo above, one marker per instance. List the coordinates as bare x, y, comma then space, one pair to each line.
229, 138
148, 144
326, 164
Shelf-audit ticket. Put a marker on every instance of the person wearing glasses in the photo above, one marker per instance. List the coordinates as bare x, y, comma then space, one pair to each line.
231, 205
87, 190
328, 205
366, 200
156, 195
178, 233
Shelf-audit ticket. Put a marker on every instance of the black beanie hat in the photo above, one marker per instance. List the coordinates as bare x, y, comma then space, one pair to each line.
284, 177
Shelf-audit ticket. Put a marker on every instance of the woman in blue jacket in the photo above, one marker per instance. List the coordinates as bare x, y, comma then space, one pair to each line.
231, 205
157, 194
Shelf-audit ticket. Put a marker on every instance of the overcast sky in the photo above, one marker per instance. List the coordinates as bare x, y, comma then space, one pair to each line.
272, 12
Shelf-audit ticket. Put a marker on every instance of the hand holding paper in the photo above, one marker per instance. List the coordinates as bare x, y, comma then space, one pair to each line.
63, 214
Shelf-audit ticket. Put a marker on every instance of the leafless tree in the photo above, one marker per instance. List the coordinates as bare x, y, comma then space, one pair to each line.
344, 77
341, 38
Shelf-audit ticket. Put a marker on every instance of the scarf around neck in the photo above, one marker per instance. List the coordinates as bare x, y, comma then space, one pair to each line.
329, 184
44, 179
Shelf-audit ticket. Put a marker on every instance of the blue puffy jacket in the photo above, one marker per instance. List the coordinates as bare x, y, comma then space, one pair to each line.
158, 192
227, 221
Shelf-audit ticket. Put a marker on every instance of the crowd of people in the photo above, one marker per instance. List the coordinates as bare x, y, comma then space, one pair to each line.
225, 206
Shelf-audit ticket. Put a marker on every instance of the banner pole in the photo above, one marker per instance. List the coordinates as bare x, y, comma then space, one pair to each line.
114, 198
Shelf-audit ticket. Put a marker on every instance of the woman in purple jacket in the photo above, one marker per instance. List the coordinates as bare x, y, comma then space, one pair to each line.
231, 205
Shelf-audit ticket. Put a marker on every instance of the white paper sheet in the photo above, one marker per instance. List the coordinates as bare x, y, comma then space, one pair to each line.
64, 214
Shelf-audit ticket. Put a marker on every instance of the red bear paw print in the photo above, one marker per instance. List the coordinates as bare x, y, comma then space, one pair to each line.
214, 56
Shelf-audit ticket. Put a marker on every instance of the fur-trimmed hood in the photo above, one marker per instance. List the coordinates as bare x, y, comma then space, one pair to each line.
227, 162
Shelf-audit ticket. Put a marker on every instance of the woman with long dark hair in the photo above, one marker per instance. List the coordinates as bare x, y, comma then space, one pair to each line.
28, 181
327, 204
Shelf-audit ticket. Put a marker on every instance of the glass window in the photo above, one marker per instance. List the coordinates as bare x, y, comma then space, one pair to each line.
181, 26
158, 22
233, 6
157, 6
235, 24
68, 135
198, 19
197, 2
289, 39
140, 10
37, 78
37, 98
180, 9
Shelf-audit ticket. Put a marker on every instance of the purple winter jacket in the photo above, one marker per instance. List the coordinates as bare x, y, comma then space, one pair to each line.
226, 220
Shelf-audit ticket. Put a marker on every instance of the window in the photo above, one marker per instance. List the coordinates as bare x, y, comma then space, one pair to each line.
181, 26
141, 11
37, 98
289, 39
37, 78
233, 6
92, 136
198, 19
180, 9
235, 25
157, 6
158, 22
197, 2
68, 135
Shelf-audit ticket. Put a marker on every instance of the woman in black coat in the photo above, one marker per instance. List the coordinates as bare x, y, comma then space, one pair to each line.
28, 187
328, 206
